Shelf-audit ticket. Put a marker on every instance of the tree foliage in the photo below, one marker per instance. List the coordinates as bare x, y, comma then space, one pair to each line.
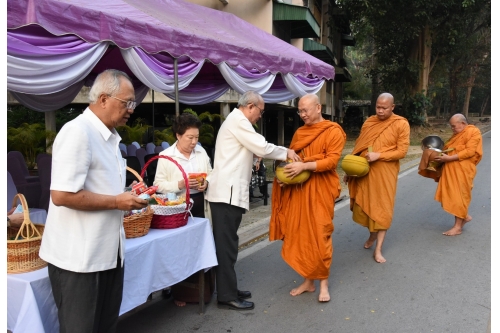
405, 41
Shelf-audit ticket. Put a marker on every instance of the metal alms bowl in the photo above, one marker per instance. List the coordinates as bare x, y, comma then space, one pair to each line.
432, 141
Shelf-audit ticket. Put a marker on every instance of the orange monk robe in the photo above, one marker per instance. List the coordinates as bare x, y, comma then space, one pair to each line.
302, 214
375, 193
454, 189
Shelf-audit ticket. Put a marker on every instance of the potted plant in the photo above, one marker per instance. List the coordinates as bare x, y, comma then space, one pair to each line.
30, 140
133, 133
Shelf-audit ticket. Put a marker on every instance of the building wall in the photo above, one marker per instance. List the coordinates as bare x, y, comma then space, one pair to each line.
257, 12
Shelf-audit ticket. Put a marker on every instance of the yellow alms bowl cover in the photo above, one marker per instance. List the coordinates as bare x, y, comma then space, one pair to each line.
355, 166
299, 179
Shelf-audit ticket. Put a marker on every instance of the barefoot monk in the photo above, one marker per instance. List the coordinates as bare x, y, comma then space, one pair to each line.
383, 140
454, 189
302, 214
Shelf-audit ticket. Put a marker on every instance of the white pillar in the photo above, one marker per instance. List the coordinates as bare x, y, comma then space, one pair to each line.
50, 124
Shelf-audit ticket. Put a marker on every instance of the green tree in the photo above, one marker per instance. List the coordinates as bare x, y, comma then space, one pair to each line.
136, 132
30, 140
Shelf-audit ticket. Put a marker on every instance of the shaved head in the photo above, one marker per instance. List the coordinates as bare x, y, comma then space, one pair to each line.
385, 106
386, 96
459, 117
458, 123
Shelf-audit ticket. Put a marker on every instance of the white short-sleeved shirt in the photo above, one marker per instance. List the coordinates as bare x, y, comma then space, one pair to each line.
85, 156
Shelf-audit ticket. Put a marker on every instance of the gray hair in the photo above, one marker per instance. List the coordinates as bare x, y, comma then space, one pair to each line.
107, 82
249, 97
460, 117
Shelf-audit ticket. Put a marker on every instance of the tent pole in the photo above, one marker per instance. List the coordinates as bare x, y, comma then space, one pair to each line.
176, 84
153, 122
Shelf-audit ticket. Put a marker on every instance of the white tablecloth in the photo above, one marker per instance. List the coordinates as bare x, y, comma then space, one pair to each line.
152, 262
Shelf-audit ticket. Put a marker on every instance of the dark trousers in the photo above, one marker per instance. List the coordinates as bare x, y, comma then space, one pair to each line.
87, 302
198, 209
226, 220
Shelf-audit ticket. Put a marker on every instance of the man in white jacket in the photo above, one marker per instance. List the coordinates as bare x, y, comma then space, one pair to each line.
228, 190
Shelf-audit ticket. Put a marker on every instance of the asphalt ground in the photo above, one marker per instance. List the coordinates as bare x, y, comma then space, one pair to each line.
430, 282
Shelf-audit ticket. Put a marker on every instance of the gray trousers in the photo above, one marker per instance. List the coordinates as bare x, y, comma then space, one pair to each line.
226, 220
87, 302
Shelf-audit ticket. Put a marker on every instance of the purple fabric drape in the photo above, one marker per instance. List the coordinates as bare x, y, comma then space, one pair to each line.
173, 26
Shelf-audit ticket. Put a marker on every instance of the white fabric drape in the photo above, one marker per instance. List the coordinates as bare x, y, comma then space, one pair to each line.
298, 88
199, 97
51, 74
157, 81
241, 83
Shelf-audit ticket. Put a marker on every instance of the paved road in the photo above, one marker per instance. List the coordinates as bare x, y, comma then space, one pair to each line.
430, 283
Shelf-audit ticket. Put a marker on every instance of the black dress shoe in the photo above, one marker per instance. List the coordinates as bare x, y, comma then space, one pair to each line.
237, 304
243, 294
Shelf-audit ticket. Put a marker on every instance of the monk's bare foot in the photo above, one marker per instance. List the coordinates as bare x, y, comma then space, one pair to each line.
307, 285
179, 303
467, 219
377, 255
324, 295
453, 232
370, 241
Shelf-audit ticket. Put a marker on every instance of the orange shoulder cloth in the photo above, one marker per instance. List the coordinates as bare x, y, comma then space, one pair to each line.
371, 130
307, 134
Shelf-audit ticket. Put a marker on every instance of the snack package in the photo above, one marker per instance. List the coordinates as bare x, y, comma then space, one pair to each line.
139, 188
144, 196
151, 190
199, 176
19, 209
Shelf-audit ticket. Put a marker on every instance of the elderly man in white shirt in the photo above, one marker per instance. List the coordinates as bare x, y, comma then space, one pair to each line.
83, 241
228, 192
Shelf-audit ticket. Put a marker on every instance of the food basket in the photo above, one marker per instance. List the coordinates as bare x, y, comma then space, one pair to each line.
170, 217
137, 225
23, 244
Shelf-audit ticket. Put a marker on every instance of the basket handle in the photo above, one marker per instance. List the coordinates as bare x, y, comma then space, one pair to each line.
27, 230
186, 181
135, 173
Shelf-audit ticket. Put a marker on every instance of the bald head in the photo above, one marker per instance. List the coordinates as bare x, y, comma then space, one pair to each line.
311, 98
386, 96
310, 109
384, 106
458, 123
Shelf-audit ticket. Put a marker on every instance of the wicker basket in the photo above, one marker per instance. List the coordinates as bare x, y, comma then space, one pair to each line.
137, 225
23, 244
170, 217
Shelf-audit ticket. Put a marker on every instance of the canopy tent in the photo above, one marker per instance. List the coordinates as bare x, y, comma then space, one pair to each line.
54, 47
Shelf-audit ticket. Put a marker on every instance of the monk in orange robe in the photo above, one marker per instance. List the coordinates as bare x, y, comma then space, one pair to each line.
384, 140
302, 214
458, 170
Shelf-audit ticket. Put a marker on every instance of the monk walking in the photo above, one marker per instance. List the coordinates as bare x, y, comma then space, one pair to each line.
302, 214
383, 140
455, 185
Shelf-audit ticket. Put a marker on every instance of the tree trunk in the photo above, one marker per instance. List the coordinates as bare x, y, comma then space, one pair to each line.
438, 108
470, 84
421, 54
483, 106
453, 88
375, 81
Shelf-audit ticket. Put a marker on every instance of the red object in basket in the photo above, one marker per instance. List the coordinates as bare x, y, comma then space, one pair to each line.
174, 220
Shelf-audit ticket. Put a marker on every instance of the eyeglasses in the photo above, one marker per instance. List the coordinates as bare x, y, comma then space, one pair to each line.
261, 110
299, 112
130, 104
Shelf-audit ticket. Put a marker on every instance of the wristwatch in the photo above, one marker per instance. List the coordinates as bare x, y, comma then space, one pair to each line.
8, 221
